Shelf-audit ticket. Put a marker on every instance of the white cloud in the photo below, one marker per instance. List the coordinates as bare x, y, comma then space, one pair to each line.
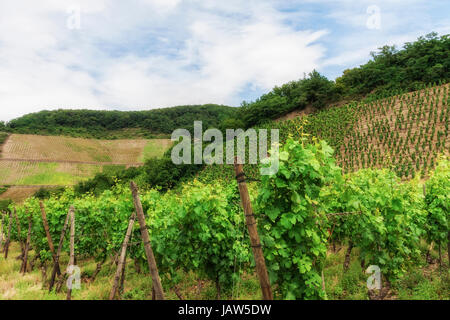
45, 65
143, 54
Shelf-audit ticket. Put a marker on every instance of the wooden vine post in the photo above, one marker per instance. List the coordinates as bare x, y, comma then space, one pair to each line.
8, 237
58, 253
261, 269
72, 247
123, 256
27, 244
1, 234
19, 233
49, 237
157, 287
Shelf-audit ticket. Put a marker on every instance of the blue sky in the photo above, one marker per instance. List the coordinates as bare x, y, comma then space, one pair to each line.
144, 54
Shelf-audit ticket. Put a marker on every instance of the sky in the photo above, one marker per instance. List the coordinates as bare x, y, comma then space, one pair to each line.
146, 54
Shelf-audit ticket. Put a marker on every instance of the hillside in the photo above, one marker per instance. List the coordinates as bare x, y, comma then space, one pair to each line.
29, 162
405, 132
408, 131
389, 70
151, 124
53, 148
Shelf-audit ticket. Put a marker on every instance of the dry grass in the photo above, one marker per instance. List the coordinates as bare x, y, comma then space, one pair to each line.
422, 282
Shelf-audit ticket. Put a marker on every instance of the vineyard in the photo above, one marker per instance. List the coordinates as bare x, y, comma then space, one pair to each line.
42, 161
199, 232
404, 132
53, 148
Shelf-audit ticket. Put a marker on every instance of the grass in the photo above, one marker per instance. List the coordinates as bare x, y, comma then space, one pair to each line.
424, 282
32, 173
155, 149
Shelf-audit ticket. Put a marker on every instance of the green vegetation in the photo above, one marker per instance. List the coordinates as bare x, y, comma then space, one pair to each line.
160, 173
294, 237
3, 137
45, 193
3, 190
199, 228
153, 149
118, 124
390, 71
424, 61
360, 201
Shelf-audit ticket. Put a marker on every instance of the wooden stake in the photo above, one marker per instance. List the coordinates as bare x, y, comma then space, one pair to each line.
261, 269
323, 284
123, 256
58, 253
159, 293
1, 234
49, 237
8, 238
27, 244
124, 269
72, 247
19, 232
448, 248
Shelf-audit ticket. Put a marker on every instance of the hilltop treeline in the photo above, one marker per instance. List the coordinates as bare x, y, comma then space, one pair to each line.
109, 124
391, 70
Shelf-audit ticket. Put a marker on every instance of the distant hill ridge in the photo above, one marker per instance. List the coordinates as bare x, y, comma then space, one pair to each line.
103, 124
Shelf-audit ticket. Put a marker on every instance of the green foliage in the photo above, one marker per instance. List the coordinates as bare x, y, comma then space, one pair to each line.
3, 190
315, 90
292, 233
4, 204
203, 232
200, 227
388, 222
426, 60
155, 173
165, 174
437, 200
3, 135
114, 124
390, 70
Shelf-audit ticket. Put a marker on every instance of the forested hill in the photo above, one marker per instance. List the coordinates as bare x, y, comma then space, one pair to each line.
390, 71
119, 124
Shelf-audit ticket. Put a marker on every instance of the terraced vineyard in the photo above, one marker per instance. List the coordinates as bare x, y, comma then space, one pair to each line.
406, 132
29, 161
